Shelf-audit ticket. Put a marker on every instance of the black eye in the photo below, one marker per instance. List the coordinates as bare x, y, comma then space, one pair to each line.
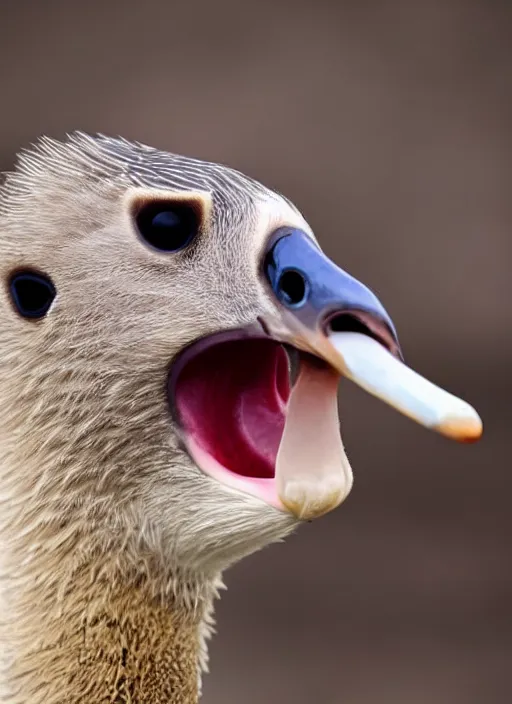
168, 227
32, 294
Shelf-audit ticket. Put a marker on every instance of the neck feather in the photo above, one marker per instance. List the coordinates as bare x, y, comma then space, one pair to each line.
113, 630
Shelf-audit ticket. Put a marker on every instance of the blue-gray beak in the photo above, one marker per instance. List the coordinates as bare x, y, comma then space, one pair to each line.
319, 295
334, 316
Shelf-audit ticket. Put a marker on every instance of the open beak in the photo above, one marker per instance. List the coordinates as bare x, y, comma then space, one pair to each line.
254, 425
328, 313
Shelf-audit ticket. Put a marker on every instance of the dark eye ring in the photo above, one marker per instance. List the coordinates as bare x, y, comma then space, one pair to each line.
167, 226
32, 293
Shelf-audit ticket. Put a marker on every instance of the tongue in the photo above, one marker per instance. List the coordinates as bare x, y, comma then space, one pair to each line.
313, 474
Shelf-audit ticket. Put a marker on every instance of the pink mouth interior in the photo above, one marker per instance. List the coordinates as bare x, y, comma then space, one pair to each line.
231, 399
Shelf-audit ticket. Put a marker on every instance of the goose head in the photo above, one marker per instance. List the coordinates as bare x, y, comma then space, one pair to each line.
171, 343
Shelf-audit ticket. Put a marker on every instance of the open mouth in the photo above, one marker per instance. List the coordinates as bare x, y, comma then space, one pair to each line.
261, 418
232, 399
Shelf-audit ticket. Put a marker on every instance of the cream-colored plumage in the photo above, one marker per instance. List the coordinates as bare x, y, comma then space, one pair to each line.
112, 541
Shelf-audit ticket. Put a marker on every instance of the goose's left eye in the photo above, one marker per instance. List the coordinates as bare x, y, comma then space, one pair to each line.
32, 294
168, 227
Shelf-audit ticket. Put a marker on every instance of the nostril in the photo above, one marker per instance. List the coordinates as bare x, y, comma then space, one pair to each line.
292, 287
345, 322
366, 325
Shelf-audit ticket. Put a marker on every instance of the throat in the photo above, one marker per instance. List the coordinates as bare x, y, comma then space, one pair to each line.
111, 639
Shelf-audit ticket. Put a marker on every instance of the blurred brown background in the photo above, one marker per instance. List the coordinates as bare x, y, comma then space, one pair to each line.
390, 124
